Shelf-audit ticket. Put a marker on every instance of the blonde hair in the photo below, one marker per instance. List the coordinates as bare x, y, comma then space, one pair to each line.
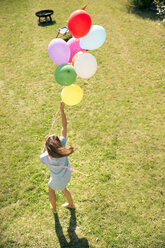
55, 147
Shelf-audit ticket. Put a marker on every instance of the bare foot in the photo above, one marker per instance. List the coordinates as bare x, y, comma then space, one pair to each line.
67, 205
53, 210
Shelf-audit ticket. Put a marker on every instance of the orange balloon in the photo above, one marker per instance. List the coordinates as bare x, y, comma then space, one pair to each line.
76, 55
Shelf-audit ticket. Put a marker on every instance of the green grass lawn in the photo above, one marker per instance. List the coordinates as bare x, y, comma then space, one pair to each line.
117, 130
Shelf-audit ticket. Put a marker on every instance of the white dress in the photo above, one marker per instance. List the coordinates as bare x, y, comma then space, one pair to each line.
59, 177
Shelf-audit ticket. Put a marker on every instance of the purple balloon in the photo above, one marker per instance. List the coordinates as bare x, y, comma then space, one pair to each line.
59, 51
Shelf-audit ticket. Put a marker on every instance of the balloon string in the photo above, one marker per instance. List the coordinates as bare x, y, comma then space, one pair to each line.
72, 168
52, 126
69, 168
54, 122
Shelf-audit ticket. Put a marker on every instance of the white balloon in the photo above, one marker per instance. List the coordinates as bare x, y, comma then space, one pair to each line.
85, 65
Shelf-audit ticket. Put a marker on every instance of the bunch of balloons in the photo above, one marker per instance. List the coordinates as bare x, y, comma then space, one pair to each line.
73, 58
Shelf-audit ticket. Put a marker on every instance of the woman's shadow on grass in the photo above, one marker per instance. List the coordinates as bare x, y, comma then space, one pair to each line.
75, 242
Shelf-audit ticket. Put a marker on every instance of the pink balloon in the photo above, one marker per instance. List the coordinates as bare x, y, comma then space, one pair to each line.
74, 45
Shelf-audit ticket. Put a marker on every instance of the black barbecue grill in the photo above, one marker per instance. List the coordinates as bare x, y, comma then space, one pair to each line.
45, 16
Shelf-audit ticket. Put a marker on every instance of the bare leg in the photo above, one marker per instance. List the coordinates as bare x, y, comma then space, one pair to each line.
68, 196
52, 198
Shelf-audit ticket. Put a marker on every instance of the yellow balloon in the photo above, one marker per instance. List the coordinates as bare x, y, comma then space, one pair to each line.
72, 95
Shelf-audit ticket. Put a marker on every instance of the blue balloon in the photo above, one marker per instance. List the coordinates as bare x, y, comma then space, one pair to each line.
94, 38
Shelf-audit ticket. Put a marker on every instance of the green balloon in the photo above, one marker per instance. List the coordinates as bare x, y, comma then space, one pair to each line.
65, 74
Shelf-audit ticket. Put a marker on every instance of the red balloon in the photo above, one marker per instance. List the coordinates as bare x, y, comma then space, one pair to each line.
79, 23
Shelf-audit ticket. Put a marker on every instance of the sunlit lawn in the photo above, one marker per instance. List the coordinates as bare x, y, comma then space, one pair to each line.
117, 130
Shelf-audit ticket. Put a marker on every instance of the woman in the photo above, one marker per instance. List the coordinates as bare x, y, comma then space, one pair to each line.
55, 156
